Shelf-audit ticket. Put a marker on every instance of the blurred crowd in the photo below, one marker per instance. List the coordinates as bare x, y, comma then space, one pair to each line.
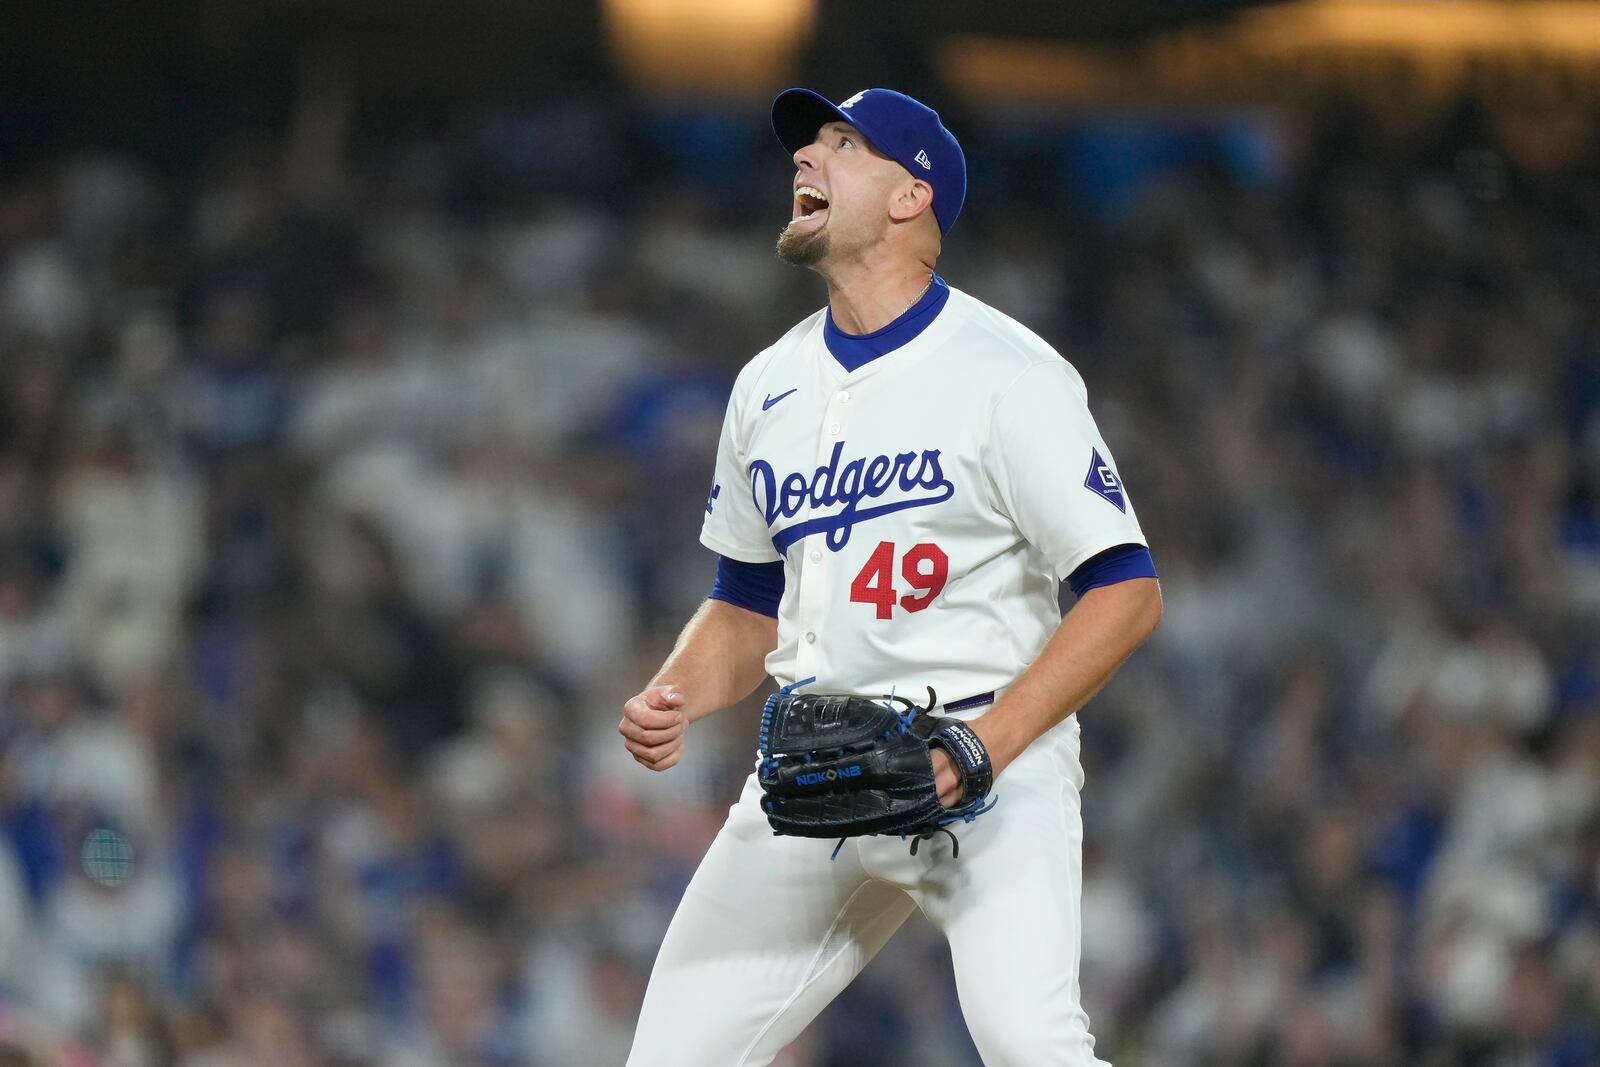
347, 490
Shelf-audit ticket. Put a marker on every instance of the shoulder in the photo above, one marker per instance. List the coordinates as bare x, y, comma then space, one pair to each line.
775, 356
1004, 347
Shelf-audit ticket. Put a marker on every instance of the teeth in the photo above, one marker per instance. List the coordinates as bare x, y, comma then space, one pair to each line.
809, 202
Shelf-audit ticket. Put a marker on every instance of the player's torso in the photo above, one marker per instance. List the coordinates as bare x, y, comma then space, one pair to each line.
900, 568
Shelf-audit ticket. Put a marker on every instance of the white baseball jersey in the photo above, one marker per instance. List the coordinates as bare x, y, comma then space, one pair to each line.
926, 506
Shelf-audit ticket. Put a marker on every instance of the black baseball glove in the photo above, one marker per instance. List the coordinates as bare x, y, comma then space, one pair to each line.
846, 766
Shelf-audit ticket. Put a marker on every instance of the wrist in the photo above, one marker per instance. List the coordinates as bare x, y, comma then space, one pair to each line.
999, 739
969, 757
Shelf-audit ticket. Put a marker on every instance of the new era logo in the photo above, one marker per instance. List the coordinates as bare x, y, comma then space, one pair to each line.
922, 158
1102, 480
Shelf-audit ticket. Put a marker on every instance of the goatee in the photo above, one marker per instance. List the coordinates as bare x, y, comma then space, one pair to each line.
801, 248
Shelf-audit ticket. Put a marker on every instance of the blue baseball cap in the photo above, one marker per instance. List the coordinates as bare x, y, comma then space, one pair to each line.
906, 130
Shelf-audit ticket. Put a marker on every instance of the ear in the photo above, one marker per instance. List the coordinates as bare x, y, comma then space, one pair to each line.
911, 199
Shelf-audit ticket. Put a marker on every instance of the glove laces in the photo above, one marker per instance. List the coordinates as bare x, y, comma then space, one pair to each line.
968, 814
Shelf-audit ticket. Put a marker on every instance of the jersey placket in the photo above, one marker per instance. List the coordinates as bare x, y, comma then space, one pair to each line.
817, 584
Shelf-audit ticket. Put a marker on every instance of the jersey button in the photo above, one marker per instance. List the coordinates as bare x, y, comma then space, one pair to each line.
834, 429
844, 395
816, 555
811, 638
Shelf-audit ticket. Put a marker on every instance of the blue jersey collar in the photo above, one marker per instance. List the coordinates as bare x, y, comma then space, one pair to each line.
854, 351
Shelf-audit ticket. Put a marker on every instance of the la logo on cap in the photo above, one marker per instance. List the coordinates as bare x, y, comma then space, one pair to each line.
854, 100
922, 158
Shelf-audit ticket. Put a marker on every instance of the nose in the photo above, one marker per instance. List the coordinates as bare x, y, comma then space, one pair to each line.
806, 156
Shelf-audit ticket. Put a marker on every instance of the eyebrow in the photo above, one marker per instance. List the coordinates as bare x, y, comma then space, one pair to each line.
839, 127
844, 128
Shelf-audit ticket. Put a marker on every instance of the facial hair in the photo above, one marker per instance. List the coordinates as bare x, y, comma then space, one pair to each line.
803, 249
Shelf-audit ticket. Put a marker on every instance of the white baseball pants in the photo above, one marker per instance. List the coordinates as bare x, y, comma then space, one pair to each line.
770, 930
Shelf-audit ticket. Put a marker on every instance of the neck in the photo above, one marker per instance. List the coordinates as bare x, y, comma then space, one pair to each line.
864, 298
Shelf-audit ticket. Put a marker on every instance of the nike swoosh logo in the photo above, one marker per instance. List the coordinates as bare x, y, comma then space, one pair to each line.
771, 400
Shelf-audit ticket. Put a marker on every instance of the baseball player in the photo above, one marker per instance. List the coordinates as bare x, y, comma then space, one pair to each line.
903, 482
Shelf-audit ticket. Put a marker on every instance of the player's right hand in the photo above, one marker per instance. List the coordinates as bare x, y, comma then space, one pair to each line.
652, 726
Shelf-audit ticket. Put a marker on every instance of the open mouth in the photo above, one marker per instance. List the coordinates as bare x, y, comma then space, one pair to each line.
809, 203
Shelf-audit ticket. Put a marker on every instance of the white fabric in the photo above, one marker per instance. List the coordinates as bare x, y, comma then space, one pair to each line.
976, 438
770, 929
978, 417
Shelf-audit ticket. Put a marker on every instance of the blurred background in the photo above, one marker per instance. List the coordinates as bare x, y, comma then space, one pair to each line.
361, 368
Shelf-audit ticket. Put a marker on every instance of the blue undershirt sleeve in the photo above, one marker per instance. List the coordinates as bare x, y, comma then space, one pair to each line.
753, 586
1112, 566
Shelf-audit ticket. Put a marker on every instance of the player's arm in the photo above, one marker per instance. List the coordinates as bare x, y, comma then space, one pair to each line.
719, 659
1096, 636
1084, 525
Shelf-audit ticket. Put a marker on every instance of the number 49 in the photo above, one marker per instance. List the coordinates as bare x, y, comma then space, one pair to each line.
924, 567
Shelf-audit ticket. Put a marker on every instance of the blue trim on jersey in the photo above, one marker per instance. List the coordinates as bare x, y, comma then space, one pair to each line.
854, 351
1112, 566
752, 586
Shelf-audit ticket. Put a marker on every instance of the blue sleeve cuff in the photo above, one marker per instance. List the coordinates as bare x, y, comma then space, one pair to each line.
753, 586
1114, 565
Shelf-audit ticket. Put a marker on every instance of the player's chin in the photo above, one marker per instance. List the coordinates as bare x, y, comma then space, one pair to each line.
803, 244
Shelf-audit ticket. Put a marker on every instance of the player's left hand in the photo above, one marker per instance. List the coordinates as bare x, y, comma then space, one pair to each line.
946, 778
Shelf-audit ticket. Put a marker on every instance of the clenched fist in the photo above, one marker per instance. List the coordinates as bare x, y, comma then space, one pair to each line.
652, 726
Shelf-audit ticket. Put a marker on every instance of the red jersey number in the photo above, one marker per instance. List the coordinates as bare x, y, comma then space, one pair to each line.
925, 568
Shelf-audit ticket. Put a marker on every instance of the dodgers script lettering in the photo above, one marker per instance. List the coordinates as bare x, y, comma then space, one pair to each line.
859, 480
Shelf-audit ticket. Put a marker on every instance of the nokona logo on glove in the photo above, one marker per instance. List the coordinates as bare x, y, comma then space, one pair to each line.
832, 774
